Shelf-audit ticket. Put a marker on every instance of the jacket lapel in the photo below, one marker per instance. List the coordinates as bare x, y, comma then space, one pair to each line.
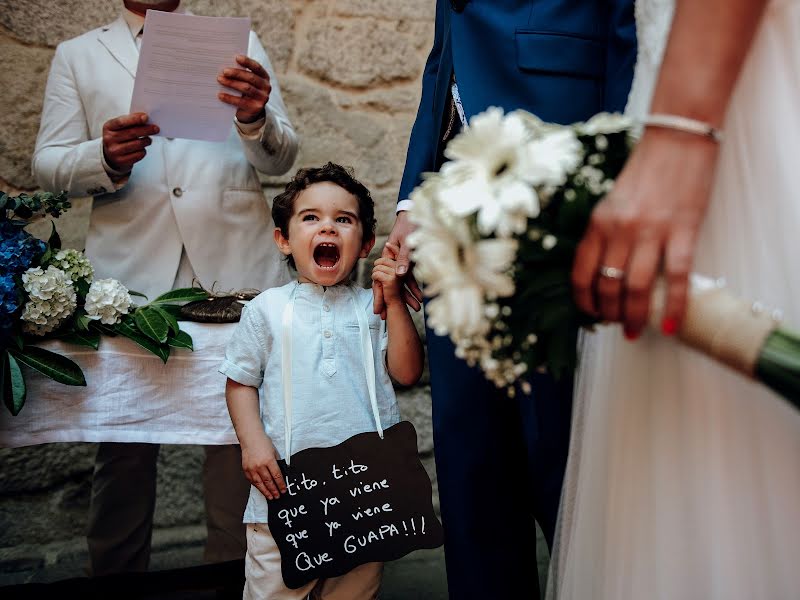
116, 37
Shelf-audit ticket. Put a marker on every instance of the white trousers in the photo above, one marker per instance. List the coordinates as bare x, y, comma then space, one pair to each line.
263, 579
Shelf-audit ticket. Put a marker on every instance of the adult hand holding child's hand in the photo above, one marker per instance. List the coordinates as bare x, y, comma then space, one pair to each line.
384, 274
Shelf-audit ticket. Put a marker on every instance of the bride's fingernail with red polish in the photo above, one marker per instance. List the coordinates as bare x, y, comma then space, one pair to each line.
669, 326
631, 335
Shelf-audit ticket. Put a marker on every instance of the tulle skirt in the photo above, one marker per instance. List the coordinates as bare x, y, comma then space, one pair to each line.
684, 478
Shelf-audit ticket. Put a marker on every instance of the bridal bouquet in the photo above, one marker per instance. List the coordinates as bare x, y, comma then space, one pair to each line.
497, 230
49, 292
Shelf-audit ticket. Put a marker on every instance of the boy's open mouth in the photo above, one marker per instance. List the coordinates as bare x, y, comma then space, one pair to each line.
326, 255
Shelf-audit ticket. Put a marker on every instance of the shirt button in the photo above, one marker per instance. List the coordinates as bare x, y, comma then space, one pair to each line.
327, 333
326, 308
177, 192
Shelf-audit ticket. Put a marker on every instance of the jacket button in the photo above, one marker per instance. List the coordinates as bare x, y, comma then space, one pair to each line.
177, 192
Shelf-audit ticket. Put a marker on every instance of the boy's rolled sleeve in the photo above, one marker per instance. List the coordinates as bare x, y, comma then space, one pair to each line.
246, 352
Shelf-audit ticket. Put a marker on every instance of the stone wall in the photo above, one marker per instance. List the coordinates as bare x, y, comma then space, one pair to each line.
350, 74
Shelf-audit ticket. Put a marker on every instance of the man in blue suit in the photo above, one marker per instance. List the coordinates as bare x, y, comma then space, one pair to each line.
500, 462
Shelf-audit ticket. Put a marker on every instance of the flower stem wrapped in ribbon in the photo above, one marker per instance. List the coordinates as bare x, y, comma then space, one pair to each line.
497, 230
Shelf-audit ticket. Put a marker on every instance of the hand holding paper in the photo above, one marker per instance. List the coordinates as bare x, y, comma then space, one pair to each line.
253, 83
176, 81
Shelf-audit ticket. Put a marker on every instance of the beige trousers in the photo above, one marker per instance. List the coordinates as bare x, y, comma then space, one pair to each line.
124, 498
263, 579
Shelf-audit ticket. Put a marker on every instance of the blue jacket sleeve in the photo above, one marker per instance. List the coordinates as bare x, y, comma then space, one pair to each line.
421, 155
621, 56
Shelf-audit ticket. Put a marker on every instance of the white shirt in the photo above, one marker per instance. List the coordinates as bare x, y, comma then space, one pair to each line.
252, 130
330, 396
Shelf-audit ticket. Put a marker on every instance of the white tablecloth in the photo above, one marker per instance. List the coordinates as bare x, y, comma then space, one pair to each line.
130, 396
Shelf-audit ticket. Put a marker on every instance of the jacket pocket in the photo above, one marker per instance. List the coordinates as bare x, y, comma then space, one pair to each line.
243, 201
560, 53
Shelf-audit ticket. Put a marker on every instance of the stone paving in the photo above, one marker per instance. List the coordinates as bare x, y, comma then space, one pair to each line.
417, 576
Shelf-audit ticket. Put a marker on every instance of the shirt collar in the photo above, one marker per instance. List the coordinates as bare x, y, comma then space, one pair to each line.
307, 289
136, 22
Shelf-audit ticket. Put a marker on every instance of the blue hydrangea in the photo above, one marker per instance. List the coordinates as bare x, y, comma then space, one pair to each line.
18, 248
9, 302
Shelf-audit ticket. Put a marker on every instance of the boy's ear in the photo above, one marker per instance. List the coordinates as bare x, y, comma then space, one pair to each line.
366, 247
282, 242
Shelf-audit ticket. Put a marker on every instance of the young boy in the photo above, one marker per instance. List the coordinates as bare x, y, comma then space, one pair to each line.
324, 222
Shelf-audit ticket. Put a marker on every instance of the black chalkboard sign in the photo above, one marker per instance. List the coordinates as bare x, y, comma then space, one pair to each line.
366, 500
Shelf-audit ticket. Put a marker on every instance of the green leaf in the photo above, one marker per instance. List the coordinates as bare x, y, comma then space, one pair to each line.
161, 351
90, 339
182, 295
140, 294
168, 317
45, 258
108, 330
55, 239
12, 384
171, 309
82, 288
181, 340
22, 211
152, 324
56, 367
82, 322
17, 339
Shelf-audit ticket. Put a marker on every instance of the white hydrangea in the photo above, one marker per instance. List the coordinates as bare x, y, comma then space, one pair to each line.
74, 264
107, 300
52, 299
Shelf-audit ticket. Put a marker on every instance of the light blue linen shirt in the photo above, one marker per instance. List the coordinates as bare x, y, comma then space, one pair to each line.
330, 396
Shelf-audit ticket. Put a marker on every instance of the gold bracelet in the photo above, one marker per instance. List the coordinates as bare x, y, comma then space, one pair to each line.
684, 124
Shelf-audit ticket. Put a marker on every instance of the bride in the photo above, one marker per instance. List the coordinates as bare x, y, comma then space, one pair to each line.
684, 478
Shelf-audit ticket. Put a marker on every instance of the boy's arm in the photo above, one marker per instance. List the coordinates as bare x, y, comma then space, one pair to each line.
259, 458
404, 356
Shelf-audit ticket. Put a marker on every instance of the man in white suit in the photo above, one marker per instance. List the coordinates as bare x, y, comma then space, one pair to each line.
165, 211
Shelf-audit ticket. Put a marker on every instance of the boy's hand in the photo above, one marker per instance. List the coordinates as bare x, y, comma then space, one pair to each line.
260, 464
384, 273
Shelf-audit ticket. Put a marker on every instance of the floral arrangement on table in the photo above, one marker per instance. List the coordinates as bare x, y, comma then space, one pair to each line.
497, 231
48, 292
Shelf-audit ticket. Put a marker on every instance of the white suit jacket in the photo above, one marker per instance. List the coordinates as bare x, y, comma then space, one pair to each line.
204, 196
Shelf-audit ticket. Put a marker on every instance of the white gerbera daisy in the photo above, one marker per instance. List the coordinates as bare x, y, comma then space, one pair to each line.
491, 172
461, 273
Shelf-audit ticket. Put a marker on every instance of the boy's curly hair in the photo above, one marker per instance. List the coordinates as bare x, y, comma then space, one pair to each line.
283, 203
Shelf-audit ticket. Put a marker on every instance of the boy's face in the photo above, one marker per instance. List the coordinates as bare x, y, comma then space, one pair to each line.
325, 234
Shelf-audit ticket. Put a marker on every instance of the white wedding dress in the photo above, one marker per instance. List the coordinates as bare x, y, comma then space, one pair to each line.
684, 478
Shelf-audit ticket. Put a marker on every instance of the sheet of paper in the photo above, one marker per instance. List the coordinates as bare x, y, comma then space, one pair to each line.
176, 80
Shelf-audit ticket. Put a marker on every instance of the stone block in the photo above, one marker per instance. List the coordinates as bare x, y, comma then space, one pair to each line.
179, 487
22, 80
364, 52
48, 23
418, 10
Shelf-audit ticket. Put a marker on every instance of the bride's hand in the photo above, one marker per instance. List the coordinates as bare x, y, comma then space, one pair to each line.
647, 226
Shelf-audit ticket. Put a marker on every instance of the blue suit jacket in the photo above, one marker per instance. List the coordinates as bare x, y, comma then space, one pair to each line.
563, 60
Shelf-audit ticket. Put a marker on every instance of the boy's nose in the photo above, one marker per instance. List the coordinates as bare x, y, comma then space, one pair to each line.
327, 227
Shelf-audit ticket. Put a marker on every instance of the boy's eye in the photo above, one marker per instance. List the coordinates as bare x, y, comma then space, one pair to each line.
309, 217
344, 220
